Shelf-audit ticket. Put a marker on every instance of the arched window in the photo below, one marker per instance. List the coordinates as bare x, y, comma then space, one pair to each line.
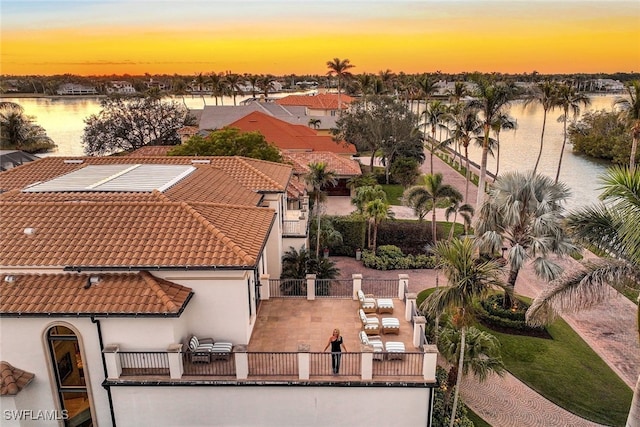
68, 369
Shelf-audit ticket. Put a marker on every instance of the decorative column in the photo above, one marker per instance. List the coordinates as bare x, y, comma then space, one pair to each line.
242, 361
176, 368
265, 289
112, 360
357, 284
408, 307
419, 323
367, 362
429, 362
311, 287
403, 285
303, 361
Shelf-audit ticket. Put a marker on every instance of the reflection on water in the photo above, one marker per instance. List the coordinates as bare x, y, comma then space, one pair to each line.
63, 119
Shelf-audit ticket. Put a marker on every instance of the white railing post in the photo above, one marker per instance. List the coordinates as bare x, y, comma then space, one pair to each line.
311, 287
303, 361
176, 368
367, 362
403, 283
357, 284
112, 360
429, 362
265, 289
419, 323
408, 307
242, 361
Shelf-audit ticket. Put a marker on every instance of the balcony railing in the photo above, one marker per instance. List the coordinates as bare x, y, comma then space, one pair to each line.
313, 288
265, 366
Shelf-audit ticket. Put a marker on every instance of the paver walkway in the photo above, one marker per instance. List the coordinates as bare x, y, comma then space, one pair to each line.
608, 328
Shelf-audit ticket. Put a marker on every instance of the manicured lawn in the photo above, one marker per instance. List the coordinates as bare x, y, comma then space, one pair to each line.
567, 372
394, 193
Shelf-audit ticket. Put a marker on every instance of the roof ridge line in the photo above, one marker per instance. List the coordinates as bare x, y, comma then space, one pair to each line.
226, 240
160, 293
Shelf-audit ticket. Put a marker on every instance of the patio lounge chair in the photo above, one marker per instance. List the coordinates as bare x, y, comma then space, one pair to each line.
367, 302
206, 349
375, 342
371, 325
390, 325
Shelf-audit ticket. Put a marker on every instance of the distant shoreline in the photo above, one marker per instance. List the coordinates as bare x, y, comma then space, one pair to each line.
41, 95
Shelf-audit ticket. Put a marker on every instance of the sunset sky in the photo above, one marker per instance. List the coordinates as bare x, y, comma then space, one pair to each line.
103, 37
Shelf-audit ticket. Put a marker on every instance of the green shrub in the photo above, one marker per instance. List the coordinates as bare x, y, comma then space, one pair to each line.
354, 231
392, 258
491, 313
410, 236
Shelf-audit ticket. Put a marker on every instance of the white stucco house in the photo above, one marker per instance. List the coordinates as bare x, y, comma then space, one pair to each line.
110, 265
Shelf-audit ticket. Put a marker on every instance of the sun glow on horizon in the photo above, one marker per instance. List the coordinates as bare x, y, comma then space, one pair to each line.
447, 36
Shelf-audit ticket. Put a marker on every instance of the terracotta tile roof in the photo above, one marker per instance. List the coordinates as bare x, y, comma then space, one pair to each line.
288, 137
132, 234
342, 166
296, 188
250, 173
152, 150
188, 130
13, 380
323, 101
71, 293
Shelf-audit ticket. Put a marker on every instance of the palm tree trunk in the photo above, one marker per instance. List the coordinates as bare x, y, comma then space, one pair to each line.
467, 174
507, 301
633, 420
564, 142
463, 336
318, 229
544, 122
375, 236
433, 222
634, 149
498, 157
483, 166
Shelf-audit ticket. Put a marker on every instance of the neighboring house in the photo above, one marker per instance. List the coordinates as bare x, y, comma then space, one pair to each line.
12, 158
342, 167
109, 266
323, 104
76, 89
121, 87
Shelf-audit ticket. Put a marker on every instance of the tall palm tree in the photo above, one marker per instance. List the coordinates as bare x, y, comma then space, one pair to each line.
365, 84
233, 83
569, 100
464, 126
366, 194
631, 114
319, 178
492, 98
339, 68
430, 193
434, 116
377, 211
426, 87
455, 208
253, 80
546, 94
503, 122
469, 278
217, 82
266, 84
19, 131
524, 214
201, 81
613, 229
458, 92
179, 88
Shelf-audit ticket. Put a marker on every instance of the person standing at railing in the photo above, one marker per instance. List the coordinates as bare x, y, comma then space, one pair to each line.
337, 346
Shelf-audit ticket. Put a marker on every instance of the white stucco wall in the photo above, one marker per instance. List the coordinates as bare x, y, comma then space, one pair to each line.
271, 406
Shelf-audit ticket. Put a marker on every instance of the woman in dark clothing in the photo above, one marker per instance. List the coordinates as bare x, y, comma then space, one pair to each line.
337, 346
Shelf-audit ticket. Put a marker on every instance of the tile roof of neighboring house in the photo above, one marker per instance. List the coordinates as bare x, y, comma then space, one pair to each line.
139, 235
342, 166
296, 188
151, 151
256, 175
13, 380
220, 116
288, 137
71, 293
188, 130
322, 101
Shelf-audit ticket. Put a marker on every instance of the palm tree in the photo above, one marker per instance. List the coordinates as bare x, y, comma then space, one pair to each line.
218, 88
613, 229
266, 84
340, 69
545, 94
434, 115
377, 211
201, 81
524, 214
253, 80
458, 92
233, 83
456, 207
469, 278
568, 100
492, 99
430, 193
481, 356
19, 132
464, 127
631, 114
319, 178
366, 194
179, 88
503, 122
365, 84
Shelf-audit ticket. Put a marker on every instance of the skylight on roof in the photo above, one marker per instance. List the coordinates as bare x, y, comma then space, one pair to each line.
121, 178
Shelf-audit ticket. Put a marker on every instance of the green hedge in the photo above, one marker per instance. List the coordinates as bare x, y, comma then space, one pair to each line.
491, 313
390, 257
354, 232
410, 236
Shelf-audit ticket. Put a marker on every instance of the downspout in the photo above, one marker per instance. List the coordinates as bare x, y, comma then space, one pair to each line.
104, 367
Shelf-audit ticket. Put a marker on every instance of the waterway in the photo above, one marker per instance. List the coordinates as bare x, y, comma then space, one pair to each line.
63, 119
